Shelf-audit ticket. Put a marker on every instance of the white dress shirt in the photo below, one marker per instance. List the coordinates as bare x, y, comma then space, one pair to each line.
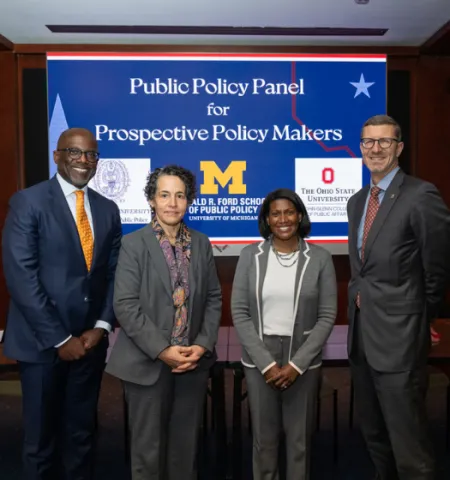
69, 192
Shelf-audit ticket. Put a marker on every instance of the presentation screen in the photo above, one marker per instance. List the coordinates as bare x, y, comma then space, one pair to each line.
244, 124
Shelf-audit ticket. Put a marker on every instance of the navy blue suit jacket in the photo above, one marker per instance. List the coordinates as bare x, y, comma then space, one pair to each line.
52, 293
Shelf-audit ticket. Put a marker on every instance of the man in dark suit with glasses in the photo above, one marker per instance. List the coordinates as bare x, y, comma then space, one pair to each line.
399, 236
60, 247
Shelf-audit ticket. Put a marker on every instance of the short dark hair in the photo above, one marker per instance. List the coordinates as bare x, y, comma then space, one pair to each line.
304, 226
184, 174
378, 120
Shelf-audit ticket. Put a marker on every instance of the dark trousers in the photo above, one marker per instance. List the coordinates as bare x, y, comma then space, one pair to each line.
59, 415
164, 421
392, 415
273, 413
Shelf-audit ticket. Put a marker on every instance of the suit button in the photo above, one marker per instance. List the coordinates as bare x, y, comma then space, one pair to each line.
86, 299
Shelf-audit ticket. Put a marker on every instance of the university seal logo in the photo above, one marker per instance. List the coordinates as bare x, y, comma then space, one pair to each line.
112, 179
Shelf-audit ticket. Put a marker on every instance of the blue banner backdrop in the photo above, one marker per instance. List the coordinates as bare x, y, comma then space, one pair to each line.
244, 124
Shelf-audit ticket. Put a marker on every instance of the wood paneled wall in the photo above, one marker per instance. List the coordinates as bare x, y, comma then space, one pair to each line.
433, 123
9, 128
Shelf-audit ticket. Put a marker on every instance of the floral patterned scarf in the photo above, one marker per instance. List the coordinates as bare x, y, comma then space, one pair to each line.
178, 260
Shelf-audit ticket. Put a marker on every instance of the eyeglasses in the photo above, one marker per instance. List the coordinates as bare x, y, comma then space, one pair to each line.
75, 154
382, 142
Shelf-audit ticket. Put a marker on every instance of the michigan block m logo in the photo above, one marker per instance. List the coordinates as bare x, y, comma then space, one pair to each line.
233, 176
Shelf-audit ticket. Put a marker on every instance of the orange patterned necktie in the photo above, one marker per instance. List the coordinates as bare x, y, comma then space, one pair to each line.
84, 229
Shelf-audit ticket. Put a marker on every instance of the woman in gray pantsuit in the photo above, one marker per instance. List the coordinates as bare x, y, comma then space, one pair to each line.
167, 299
284, 304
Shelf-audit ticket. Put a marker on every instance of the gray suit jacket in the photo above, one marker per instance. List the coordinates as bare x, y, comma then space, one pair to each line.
403, 277
144, 307
315, 305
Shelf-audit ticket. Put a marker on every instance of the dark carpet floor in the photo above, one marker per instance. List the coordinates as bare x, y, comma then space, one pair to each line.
353, 462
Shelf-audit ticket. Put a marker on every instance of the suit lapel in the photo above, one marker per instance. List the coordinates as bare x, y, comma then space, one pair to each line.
390, 197
261, 260
302, 265
158, 259
97, 223
357, 216
302, 257
65, 218
195, 246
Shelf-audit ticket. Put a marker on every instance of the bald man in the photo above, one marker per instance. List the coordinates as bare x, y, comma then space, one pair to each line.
60, 247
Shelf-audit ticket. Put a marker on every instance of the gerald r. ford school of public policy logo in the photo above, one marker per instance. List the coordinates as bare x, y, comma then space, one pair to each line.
112, 179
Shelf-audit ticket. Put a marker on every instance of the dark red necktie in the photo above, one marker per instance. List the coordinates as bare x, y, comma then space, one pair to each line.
371, 213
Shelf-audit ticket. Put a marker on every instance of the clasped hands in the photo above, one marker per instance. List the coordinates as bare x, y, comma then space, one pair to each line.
281, 378
77, 347
182, 359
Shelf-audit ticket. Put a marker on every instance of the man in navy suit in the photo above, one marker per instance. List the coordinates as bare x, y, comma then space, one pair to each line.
60, 247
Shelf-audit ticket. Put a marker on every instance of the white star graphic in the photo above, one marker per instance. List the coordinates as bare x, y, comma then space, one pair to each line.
362, 86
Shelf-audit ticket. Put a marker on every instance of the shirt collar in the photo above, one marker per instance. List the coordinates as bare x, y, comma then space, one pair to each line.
68, 188
384, 183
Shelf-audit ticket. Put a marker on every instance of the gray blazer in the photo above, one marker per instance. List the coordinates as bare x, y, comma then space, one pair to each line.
315, 305
144, 308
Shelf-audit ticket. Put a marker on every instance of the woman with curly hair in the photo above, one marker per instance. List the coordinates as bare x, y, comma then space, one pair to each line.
168, 301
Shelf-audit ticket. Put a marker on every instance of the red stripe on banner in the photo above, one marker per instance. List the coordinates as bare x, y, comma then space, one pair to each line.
207, 54
327, 241
234, 242
246, 242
